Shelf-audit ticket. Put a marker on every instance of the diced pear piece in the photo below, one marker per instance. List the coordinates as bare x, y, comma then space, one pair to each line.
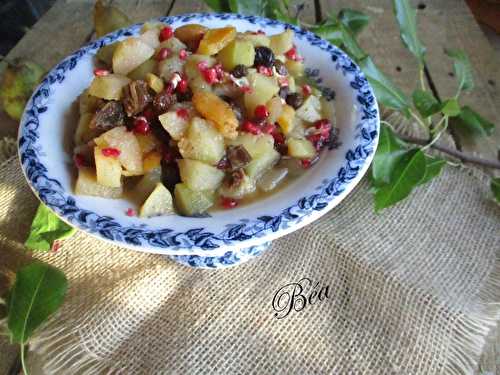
86, 184
275, 107
158, 203
150, 37
246, 186
147, 184
295, 68
258, 166
263, 89
198, 175
191, 202
129, 54
155, 82
108, 87
173, 44
148, 66
238, 52
105, 54
191, 68
202, 142
310, 110
283, 42
87, 103
213, 108
258, 40
169, 66
108, 169
130, 152
174, 124
286, 119
147, 142
216, 39
301, 148
272, 178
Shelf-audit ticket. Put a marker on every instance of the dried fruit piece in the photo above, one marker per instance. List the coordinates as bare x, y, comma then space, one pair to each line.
216, 39
190, 35
218, 111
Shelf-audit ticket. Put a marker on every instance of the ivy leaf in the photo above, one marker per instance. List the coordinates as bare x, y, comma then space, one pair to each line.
495, 188
462, 69
425, 103
47, 228
433, 167
451, 107
407, 20
470, 123
407, 174
250, 7
389, 150
37, 293
331, 31
221, 6
385, 91
354, 20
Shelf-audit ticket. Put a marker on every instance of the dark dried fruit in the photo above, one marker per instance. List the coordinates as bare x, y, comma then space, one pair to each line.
238, 156
295, 100
234, 179
280, 68
283, 93
185, 96
264, 56
109, 116
239, 71
163, 101
136, 97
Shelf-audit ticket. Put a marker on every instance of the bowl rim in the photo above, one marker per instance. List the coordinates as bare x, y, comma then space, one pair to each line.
245, 233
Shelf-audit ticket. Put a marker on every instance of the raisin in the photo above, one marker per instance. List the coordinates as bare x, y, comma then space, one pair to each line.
280, 68
185, 96
295, 100
239, 71
283, 93
264, 56
163, 101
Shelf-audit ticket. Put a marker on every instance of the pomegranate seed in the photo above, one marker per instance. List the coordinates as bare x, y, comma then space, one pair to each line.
163, 53
268, 128
306, 90
250, 127
169, 88
223, 164
130, 212
291, 53
182, 86
149, 114
247, 89
101, 72
261, 112
182, 113
79, 160
210, 76
227, 202
168, 156
265, 70
283, 81
219, 71
111, 152
166, 33
141, 125
202, 65
306, 163
279, 138
183, 54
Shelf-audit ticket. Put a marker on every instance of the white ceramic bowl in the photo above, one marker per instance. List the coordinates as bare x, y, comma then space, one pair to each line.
226, 237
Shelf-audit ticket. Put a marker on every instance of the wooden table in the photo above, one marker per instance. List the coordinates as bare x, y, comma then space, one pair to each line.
444, 23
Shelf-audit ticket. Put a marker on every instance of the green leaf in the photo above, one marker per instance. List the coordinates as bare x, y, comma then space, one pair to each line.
386, 92
462, 69
47, 228
407, 20
470, 123
389, 150
218, 5
250, 7
354, 20
350, 44
433, 167
407, 174
425, 103
451, 107
331, 31
37, 293
495, 188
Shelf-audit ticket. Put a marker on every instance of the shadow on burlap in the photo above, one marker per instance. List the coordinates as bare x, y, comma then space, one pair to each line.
410, 291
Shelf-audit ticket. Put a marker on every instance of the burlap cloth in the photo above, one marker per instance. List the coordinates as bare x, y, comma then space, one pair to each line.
412, 290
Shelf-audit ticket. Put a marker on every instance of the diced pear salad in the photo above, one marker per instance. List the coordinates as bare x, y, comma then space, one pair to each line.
193, 118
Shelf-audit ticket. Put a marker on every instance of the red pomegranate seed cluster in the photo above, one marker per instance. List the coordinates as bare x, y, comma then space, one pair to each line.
227, 202
166, 33
251, 127
141, 125
183, 54
163, 53
264, 70
292, 54
306, 90
322, 134
261, 112
111, 152
79, 160
211, 75
130, 212
182, 113
98, 72
182, 86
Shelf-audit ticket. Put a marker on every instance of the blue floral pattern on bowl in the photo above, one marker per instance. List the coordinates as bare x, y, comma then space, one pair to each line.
237, 234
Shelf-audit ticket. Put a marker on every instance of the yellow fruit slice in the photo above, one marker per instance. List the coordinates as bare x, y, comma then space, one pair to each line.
218, 111
216, 39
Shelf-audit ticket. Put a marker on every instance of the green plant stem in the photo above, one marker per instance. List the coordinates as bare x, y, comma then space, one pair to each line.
422, 80
23, 362
438, 135
418, 120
